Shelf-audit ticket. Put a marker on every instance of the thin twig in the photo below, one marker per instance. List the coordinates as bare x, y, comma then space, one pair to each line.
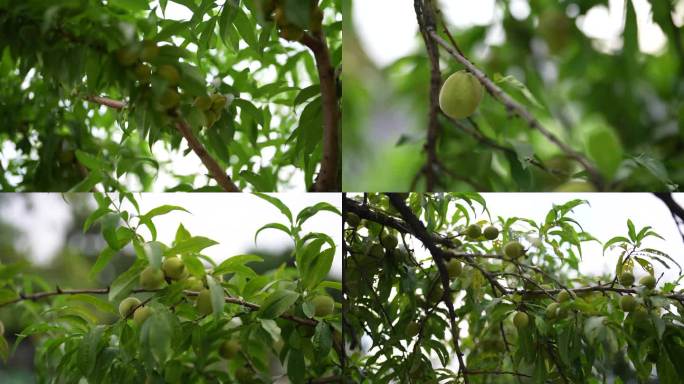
215, 170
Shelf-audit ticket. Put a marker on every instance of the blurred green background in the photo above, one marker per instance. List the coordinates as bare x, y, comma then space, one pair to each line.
586, 69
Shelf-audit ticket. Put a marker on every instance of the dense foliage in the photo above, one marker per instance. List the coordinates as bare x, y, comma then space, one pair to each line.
175, 315
438, 290
99, 95
616, 108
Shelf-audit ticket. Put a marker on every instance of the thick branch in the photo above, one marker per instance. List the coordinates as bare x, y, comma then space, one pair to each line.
419, 230
425, 15
521, 111
328, 179
212, 165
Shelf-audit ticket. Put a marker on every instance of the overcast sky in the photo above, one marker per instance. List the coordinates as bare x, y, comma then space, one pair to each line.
229, 218
395, 35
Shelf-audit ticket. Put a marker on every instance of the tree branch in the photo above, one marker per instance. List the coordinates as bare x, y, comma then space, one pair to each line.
328, 179
103, 291
426, 22
209, 162
519, 110
419, 230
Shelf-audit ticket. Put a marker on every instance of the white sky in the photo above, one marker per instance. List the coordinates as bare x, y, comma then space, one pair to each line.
230, 219
395, 36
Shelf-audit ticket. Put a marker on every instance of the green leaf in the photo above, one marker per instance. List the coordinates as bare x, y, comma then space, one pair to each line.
4, 349
93, 217
230, 10
278, 226
306, 93
616, 239
91, 162
217, 298
322, 339
93, 300
317, 267
194, 265
89, 183
153, 252
277, 303
101, 262
271, 327
308, 212
123, 284
604, 148
87, 351
237, 263
161, 210
110, 223
296, 369
156, 336
192, 245
277, 203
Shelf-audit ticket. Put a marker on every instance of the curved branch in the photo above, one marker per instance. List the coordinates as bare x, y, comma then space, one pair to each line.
328, 179
521, 111
209, 162
419, 230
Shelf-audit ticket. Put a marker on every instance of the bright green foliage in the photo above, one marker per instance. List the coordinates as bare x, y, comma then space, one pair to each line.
264, 129
536, 315
252, 322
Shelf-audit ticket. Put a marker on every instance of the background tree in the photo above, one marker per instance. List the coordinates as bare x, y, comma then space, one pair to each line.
87, 89
501, 299
561, 110
172, 314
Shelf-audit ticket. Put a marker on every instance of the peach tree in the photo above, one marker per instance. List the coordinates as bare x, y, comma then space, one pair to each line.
106, 95
438, 290
175, 315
